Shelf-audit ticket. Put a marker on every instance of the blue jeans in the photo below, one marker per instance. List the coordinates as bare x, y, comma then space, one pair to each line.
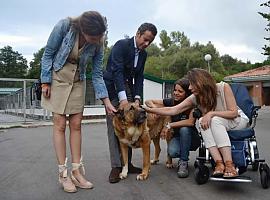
179, 145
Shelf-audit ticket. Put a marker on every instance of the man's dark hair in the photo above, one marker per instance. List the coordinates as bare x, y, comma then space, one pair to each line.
147, 27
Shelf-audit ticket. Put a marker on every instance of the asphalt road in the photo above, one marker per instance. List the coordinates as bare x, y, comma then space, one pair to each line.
28, 170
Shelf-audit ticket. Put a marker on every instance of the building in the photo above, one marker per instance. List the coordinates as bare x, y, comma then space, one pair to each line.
4, 92
156, 88
257, 81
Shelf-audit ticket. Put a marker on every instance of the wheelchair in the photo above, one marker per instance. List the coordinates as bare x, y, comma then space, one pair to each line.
243, 144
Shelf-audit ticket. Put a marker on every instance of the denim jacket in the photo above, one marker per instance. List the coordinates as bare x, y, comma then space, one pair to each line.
57, 50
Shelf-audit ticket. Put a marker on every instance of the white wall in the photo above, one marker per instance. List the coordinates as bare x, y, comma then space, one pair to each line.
152, 90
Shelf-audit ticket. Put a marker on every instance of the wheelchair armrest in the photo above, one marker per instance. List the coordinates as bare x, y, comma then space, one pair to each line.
255, 111
256, 108
254, 115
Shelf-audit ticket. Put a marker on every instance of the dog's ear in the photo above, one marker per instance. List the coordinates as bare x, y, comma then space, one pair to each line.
142, 107
132, 107
120, 114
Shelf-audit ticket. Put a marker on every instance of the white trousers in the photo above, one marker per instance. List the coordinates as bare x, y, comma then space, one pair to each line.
216, 134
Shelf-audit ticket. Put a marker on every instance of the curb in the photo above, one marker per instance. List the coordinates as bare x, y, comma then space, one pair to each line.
47, 123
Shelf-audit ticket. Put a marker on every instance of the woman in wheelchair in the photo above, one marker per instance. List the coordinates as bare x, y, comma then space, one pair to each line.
185, 134
219, 115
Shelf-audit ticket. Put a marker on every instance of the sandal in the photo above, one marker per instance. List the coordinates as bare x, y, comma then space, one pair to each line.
219, 169
64, 179
230, 171
83, 183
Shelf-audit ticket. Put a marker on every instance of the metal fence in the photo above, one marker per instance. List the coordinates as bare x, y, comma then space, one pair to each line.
23, 102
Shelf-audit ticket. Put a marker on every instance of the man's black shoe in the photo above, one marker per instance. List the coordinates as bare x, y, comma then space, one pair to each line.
114, 175
134, 170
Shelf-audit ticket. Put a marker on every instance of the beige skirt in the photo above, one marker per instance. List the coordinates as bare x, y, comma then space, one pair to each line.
67, 91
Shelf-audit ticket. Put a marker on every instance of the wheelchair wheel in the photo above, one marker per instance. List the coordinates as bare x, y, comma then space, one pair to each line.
264, 179
201, 174
196, 164
255, 165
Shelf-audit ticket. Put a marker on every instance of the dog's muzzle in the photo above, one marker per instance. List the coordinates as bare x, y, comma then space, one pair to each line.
140, 117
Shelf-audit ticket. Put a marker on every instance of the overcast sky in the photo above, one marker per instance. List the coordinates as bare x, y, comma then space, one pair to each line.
233, 26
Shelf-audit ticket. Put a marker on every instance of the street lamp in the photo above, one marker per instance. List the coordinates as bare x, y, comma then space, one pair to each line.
207, 58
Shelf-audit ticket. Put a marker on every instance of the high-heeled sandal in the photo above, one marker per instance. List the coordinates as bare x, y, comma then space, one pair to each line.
219, 169
80, 167
64, 179
230, 171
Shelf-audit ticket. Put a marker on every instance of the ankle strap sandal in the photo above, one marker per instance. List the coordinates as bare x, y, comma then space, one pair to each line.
219, 169
79, 179
79, 166
230, 170
62, 169
64, 179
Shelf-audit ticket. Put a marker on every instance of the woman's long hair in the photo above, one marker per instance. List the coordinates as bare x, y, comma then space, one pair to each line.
184, 83
205, 85
90, 23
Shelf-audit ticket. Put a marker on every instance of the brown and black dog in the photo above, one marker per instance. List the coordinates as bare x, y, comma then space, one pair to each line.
130, 127
136, 129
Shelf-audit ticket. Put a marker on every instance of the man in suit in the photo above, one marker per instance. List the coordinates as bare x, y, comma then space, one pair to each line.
124, 81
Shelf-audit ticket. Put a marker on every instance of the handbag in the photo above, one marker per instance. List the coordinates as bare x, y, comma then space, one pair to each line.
37, 89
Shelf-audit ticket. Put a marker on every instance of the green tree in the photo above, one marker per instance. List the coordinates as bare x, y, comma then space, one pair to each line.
180, 39
153, 50
228, 61
12, 63
173, 49
184, 41
215, 62
185, 60
178, 56
266, 48
175, 37
165, 40
35, 65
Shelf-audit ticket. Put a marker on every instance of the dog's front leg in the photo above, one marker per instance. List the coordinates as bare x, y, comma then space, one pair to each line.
146, 160
124, 151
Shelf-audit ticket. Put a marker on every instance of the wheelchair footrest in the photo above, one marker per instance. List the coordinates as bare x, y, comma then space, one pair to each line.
239, 179
201, 158
260, 160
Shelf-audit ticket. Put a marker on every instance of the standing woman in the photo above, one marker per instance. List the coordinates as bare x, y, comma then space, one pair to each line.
183, 125
219, 115
71, 45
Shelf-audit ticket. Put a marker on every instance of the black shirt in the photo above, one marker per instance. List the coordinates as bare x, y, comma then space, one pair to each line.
175, 118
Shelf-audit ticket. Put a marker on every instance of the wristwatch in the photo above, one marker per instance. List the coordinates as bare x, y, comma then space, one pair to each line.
168, 125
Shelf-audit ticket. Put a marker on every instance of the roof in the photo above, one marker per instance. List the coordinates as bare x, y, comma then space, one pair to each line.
260, 73
156, 79
146, 76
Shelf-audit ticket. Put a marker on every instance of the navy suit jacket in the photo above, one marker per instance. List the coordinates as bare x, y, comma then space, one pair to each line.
120, 69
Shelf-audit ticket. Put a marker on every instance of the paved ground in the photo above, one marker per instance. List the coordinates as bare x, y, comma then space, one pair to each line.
28, 170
